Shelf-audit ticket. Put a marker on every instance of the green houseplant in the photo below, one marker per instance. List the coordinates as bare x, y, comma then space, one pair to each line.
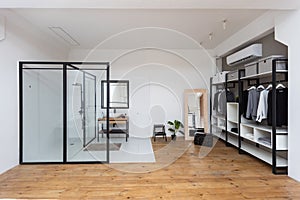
174, 127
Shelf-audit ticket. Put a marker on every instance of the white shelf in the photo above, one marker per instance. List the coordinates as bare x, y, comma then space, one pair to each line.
232, 112
265, 128
261, 75
232, 80
222, 117
233, 103
263, 155
232, 121
263, 144
248, 138
219, 83
233, 133
260, 143
256, 133
219, 127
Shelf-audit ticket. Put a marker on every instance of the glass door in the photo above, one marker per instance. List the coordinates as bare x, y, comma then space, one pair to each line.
82, 145
89, 108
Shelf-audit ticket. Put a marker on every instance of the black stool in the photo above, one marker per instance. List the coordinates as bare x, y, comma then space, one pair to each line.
159, 130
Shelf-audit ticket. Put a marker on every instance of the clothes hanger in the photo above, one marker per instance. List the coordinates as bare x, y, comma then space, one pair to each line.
269, 87
280, 86
252, 88
261, 87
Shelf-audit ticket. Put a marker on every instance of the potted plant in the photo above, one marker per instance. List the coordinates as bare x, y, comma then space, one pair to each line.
175, 127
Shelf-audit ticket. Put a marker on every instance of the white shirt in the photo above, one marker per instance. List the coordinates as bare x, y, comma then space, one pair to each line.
262, 109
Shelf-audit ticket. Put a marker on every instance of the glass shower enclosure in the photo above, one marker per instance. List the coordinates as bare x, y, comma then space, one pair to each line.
59, 109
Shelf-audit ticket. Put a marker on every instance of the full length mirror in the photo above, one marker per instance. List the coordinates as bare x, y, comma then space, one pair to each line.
196, 112
119, 94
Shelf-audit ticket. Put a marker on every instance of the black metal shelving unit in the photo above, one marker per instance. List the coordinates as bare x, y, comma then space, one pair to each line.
272, 152
274, 129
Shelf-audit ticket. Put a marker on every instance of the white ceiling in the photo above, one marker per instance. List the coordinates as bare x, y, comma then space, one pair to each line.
92, 26
153, 4
93, 21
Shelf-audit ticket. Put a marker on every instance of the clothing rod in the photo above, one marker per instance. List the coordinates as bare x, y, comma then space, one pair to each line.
270, 82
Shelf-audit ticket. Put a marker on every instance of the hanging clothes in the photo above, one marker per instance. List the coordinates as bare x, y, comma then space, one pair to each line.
253, 99
225, 96
262, 108
222, 103
216, 100
281, 107
230, 96
244, 102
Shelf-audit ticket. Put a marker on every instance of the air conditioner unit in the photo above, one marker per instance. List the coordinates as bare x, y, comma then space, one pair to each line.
246, 54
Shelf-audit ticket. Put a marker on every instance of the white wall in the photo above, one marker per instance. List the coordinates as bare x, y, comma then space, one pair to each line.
157, 81
287, 31
22, 42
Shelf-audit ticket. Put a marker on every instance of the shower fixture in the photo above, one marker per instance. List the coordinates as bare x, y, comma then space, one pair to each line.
81, 111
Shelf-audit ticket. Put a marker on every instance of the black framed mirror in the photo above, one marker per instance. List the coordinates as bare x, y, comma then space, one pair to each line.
119, 94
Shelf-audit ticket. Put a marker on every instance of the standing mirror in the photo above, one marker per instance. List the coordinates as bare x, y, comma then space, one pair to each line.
196, 112
119, 94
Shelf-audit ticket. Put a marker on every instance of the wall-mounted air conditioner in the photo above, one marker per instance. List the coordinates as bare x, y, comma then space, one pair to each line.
246, 54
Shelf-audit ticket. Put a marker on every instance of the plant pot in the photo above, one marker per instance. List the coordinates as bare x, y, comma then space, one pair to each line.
173, 137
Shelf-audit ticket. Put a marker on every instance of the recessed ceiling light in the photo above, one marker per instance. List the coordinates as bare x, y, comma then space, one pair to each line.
64, 35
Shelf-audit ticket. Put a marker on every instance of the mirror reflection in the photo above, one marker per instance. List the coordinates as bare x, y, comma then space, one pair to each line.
119, 94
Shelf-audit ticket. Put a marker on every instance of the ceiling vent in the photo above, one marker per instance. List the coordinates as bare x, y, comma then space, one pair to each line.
60, 32
246, 54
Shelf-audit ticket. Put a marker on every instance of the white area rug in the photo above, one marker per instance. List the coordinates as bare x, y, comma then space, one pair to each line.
136, 150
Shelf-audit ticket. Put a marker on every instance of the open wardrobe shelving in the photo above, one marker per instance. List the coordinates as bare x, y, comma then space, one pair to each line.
265, 134
217, 117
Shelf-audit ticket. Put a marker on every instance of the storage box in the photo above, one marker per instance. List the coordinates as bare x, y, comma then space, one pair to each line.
265, 65
222, 76
251, 69
233, 76
219, 77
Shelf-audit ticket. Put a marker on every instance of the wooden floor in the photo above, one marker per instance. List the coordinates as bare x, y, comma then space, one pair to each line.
222, 174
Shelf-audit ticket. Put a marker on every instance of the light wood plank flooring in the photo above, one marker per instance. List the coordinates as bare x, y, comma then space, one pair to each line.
222, 174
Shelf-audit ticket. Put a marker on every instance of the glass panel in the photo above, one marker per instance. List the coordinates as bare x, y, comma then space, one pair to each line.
82, 145
90, 108
75, 113
42, 115
43, 112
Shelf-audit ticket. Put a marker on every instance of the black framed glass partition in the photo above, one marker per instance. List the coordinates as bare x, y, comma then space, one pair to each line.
59, 109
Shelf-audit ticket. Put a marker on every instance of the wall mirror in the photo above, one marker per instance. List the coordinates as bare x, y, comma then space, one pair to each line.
119, 94
196, 112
